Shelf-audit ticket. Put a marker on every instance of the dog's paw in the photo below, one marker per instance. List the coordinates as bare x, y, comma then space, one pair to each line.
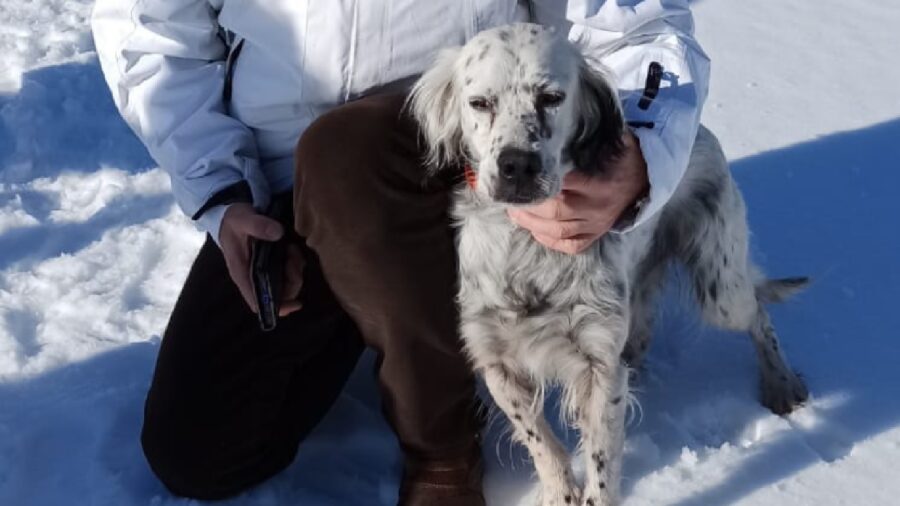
598, 500
783, 393
598, 495
560, 496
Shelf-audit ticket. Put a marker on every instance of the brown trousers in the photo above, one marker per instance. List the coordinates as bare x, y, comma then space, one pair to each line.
229, 405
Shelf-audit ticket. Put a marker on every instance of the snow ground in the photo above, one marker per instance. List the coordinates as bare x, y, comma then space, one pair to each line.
93, 252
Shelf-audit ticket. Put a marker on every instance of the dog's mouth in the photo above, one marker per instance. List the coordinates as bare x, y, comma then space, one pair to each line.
520, 193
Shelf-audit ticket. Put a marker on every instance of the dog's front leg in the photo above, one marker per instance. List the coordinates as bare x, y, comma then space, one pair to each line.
599, 405
515, 395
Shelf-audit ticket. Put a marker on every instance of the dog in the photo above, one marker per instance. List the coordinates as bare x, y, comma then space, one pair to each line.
519, 106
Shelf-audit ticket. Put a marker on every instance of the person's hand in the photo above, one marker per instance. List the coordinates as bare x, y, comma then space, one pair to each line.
588, 206
293, 280
240, 225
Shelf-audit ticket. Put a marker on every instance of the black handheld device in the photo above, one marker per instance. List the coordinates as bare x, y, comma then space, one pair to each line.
267, 270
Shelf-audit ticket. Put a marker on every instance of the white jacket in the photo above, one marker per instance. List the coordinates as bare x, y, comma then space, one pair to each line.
164, 61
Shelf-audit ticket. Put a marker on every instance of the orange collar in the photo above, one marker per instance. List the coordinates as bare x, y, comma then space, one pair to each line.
471, 176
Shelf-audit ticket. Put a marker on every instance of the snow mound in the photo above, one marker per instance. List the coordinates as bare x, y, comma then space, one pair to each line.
38, 33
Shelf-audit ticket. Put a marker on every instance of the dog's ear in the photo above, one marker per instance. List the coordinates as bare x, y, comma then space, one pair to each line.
601, 124
434, 103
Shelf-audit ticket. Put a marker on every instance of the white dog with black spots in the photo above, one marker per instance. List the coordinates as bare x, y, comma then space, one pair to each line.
520, 107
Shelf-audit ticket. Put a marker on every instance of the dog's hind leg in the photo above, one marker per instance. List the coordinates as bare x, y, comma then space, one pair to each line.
649, 278
714, 246
516, 396
782, 389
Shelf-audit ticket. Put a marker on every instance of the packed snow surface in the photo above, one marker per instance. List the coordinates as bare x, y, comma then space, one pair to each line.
804, 97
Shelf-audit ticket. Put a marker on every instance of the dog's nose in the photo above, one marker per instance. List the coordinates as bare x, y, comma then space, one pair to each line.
517, 163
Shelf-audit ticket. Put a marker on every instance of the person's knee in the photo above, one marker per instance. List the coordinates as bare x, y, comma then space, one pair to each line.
180, 465
195, 468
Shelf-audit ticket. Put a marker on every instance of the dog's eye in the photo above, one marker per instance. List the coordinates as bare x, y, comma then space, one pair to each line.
480, 104
550, 99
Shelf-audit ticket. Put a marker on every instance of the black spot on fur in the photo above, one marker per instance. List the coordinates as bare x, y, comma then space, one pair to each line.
484, 52
503, 35
589, 502
598, 137
619, 287
713, 290
530, 433
544, 128
698, 287
536, 308
708, 194
691, 257
517, 417
568, 499
602, 484
616, 401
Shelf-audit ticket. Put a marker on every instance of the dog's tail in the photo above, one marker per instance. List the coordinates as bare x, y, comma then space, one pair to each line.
779, 290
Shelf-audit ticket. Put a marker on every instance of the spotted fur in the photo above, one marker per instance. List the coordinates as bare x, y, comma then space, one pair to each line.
531, 316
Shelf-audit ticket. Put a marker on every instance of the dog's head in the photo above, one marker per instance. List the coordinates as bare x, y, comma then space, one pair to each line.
522, 106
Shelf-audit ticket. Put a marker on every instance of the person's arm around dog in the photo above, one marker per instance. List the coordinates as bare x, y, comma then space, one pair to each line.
663, 106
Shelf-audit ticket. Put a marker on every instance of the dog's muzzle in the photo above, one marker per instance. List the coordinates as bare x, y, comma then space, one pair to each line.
518, 180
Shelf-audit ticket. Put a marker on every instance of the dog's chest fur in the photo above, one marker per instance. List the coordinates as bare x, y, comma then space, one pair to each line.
522, 301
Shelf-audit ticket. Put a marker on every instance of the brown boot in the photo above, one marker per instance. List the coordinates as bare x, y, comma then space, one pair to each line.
446, 482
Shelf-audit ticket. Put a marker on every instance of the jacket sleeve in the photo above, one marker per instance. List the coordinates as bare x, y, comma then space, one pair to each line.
164, 61
627, 37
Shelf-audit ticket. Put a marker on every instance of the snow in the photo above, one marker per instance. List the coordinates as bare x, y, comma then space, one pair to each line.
93, 252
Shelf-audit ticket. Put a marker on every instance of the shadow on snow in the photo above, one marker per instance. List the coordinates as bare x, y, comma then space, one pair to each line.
826, 208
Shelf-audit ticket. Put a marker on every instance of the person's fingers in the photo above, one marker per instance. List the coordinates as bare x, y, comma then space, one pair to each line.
239, 269
568, 246
259, 226
561, 207
243, 220
289, 307
293, 274
555, 229
575, 180
240, 226
293, 280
